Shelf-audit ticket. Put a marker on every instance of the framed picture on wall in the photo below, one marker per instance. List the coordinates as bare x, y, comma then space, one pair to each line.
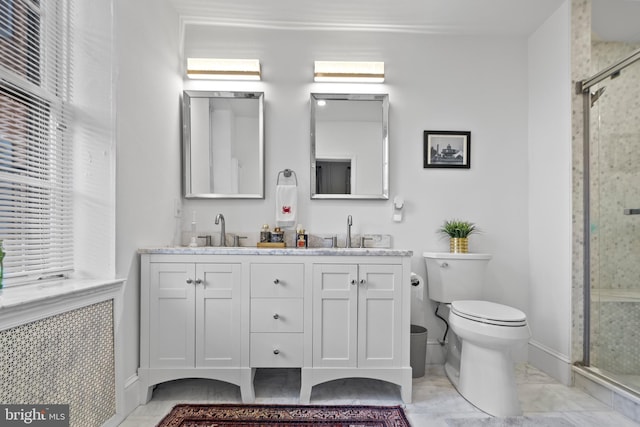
447, 149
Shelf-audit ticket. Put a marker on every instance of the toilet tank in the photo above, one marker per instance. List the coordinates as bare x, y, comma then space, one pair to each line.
455, 276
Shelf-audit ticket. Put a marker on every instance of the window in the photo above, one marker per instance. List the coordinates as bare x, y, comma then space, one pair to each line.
35, 139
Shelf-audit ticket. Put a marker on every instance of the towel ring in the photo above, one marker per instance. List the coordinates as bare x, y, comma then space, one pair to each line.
287, 174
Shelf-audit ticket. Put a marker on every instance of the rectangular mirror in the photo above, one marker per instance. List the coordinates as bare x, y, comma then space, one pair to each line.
223, 144
349, 146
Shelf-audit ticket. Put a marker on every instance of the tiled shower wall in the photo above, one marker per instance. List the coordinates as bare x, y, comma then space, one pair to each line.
63, 359
615, 185
617, 333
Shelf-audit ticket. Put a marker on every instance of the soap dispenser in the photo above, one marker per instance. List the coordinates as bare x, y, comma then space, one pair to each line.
265, 234
194, 237
301, 237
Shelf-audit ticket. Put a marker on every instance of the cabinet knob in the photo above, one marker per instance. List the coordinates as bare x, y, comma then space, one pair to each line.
198, 281
276, 351
276, 281
353, 281
276, 316
363, 281
189, 281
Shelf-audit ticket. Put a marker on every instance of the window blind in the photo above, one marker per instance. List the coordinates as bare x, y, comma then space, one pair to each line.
35, 139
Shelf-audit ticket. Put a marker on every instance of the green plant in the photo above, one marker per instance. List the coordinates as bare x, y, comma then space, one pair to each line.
458, 229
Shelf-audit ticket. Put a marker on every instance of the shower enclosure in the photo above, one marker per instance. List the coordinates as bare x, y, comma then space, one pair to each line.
612, 215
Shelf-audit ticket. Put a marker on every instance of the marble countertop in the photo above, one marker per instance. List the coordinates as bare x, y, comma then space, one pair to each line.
246, 250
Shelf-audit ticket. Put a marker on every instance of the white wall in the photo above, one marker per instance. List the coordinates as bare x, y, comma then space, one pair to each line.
550, 187
476, 84
148, 145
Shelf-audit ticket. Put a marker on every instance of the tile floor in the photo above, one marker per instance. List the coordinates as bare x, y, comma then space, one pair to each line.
545, 402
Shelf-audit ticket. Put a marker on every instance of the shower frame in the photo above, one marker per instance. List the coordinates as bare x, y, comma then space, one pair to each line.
584, 87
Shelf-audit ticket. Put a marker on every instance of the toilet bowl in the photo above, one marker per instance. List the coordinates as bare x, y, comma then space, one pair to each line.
478, 360
483, 373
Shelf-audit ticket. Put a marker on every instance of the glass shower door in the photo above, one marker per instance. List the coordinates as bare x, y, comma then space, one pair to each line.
615, 221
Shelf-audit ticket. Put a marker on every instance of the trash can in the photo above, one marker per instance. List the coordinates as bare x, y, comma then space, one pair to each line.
418, 356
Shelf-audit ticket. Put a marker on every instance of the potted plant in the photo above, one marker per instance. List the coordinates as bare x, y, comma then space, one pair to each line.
458, 232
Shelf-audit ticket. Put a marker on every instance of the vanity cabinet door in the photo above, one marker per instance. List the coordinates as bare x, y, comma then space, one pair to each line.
194, 315
379, 315
217, 315
171, 320
335, 315
357, 315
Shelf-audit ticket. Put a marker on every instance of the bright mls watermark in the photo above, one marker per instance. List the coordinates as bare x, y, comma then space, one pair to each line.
34, 415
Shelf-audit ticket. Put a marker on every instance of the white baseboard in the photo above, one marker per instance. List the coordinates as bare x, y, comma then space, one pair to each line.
551, 362
131, 396
114, 421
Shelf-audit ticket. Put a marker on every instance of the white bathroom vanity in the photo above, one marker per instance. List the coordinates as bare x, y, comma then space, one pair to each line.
221, 313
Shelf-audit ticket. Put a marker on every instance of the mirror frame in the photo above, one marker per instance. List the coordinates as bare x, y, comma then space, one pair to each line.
186, 142
384, 98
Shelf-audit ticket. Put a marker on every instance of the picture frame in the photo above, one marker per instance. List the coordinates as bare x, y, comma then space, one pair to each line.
447, 149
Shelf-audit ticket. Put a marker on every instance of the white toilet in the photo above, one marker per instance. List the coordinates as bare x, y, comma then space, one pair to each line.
478, 361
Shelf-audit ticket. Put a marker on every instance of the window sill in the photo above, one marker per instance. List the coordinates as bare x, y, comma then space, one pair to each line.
19, 304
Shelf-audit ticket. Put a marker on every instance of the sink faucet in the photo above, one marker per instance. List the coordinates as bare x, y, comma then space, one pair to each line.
349, 224
223, 238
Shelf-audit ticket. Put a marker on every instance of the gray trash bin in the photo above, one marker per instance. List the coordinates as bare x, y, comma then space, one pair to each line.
418, 356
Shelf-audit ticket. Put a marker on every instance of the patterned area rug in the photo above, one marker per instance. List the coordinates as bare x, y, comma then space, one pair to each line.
284, 415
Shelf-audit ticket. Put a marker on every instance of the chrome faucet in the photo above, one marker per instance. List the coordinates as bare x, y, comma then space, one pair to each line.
223, 238
349, 224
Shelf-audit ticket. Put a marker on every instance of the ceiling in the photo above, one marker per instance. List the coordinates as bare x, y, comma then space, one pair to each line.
425, 16
612, 20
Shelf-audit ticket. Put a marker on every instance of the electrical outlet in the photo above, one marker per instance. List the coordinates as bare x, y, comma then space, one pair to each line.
177, 208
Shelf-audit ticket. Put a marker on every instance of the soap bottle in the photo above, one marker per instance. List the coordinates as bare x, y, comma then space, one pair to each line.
194, 237
265, 234
301, 237
277, 235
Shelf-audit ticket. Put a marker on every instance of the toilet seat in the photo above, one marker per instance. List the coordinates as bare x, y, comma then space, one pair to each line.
489, 313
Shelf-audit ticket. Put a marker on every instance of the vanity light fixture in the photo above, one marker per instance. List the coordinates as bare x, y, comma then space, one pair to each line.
349, 71
223, 69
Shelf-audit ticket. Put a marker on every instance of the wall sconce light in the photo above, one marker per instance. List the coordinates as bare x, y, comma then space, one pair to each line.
348, 71
223, 69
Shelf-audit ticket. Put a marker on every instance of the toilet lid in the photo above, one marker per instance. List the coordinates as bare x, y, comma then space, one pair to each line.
489, 312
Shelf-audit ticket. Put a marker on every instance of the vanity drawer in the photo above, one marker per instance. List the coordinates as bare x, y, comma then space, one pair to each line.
276, 350
277, 280
276, 315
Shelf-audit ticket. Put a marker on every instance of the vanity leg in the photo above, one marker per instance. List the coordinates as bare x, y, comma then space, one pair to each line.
146, 395
305, 387
145, 391
305, 395
406, 388
247, 390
